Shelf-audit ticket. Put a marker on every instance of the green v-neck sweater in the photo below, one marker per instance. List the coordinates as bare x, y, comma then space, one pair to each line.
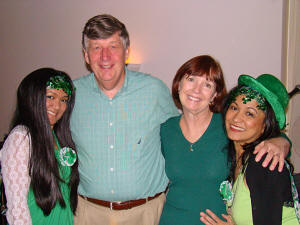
194, 176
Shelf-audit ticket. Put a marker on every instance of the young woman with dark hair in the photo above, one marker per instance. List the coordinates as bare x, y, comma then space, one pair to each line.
253, 112
39, 166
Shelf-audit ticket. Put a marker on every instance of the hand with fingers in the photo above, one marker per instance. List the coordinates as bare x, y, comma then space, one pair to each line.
276, 149
209, 218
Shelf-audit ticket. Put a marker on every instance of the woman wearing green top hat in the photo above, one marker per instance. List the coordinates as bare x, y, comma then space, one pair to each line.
38, 158
255, 111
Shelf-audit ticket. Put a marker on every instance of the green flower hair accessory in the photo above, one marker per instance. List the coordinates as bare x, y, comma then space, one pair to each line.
249, 94
226, 192
60, 82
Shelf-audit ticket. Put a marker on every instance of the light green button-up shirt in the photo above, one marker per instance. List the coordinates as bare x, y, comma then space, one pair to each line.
118, 140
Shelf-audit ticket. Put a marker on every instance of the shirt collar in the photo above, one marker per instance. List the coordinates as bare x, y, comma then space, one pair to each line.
123, 89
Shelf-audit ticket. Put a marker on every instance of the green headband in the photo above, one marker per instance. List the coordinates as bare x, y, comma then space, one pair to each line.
60, 82
249, 95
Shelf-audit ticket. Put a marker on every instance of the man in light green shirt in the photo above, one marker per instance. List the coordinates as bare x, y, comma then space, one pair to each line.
116, 128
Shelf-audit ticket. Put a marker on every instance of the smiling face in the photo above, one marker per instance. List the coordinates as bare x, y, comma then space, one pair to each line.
195, 93
106, 58
56, 105
244, 122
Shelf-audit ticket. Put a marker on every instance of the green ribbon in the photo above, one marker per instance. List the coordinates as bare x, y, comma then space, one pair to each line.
67, 155
226, 191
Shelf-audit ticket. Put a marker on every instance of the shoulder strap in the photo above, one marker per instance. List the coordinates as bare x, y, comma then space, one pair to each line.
294, 193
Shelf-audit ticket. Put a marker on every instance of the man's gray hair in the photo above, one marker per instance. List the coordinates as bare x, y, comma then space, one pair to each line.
102, 27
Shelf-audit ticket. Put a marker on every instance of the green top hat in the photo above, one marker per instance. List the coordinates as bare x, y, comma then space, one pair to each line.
273, 90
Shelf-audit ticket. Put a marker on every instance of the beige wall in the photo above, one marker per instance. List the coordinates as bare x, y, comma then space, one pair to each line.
291, 72
245, 36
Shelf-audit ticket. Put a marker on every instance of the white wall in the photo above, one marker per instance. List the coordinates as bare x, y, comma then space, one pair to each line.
245, 36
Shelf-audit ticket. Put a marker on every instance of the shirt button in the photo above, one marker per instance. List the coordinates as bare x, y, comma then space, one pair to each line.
110, 124
111, 169
111, 147
110, 102
112, 191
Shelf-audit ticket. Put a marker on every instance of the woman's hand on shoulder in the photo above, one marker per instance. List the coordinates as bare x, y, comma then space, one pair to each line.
209, 218
276, 149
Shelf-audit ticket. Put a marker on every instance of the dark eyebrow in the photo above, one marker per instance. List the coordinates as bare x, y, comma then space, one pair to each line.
254, 109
